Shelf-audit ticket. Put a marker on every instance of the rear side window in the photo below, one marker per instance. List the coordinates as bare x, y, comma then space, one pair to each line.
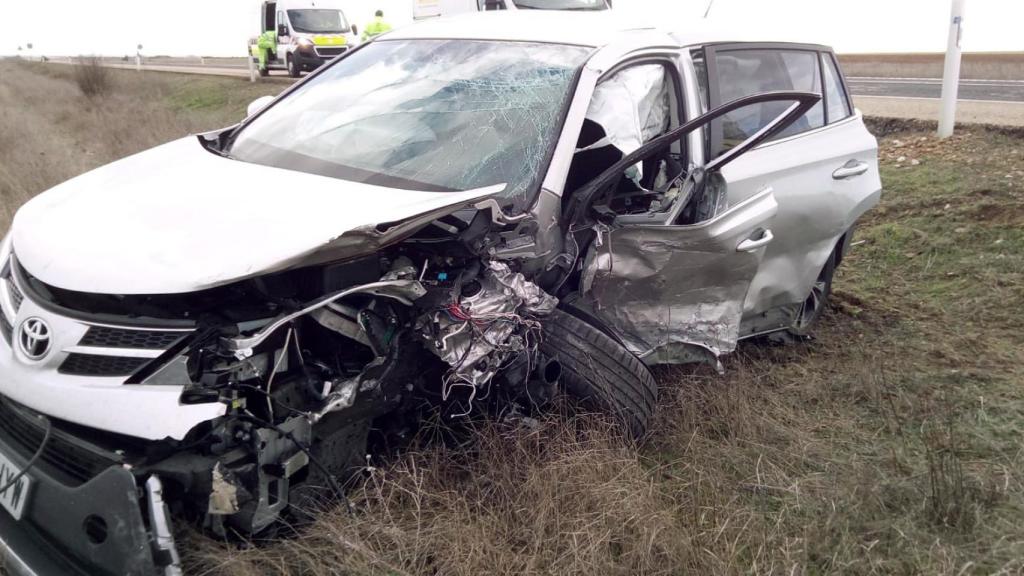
835, 95
735, 73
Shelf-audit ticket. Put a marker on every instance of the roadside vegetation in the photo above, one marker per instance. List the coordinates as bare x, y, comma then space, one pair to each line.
890, 443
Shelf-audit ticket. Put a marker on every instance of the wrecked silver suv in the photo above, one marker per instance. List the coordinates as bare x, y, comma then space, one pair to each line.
446, 219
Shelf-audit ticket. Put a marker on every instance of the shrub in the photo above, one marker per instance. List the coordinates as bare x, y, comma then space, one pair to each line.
92, 78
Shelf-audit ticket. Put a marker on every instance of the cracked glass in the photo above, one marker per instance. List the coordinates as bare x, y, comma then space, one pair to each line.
431, 115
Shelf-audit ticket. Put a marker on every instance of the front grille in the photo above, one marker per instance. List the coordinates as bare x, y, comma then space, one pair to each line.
104, 337
16, 295
331, 52
75, 464
6, 328
92, 365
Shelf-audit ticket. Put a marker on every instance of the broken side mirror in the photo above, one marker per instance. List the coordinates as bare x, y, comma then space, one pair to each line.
258, 104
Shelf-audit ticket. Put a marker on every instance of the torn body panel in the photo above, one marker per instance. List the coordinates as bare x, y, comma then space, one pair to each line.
665, 288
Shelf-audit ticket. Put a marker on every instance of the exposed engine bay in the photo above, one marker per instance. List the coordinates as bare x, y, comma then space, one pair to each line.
310, 363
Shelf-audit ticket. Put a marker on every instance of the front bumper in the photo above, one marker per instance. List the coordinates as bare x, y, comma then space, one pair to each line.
309, 60
95, 527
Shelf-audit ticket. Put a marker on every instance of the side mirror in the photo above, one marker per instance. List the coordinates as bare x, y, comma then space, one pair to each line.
355, 30
258, 104
282, 30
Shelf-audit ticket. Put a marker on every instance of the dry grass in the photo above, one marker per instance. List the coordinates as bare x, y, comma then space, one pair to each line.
50, 131
977, 65
891, 443
92, 77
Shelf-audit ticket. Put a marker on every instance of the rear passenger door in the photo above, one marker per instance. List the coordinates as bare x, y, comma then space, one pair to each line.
821, 168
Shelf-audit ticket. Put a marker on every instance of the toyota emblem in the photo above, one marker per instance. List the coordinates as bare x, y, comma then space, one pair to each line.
34, 338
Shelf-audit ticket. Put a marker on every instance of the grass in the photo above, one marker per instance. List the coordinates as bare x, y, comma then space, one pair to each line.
888, 444
50, 131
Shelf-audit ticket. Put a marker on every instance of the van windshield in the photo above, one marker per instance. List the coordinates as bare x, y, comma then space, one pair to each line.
318, 21
431, 115
561, 4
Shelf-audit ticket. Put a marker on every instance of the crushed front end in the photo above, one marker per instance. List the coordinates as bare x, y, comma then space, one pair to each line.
245, 406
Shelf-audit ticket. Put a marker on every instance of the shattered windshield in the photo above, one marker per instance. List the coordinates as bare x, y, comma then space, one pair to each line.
317, 21
433, 115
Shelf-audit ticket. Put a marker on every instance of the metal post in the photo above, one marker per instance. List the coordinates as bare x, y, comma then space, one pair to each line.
951, 72
138, 63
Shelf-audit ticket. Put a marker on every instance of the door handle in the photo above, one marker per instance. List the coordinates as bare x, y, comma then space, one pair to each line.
751, 244
850, 169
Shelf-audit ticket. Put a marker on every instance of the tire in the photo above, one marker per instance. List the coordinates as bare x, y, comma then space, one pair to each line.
600, 372
814, 305
264, 72
293, 68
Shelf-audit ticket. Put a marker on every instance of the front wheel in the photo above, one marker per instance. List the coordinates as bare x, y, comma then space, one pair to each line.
600, 372
293, 67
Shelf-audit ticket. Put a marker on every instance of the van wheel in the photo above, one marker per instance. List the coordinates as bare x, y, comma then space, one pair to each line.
293, 68
600, 372
814, 305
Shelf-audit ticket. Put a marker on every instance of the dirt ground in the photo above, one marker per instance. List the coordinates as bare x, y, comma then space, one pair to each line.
889, 443
967, 111
974, 66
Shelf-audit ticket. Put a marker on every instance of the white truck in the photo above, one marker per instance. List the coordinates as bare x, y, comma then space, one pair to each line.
298, 35
423, 9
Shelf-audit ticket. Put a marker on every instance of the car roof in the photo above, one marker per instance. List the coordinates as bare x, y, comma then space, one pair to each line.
594, 29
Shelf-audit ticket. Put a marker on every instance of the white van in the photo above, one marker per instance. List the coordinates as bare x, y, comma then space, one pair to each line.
297, 35
423, 9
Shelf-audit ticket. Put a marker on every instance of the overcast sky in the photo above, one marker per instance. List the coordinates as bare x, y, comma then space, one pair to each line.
222, 27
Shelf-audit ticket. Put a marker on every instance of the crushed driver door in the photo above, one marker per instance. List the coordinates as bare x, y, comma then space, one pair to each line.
672, 283
669, 288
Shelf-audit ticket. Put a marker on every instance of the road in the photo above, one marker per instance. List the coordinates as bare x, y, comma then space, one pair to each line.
998, 102
985, 90
990, 90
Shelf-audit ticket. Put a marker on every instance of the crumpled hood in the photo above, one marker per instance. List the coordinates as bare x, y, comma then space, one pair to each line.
178, 219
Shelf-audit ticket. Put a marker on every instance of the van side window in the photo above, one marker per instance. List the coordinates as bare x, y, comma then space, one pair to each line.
835, 95
738, 73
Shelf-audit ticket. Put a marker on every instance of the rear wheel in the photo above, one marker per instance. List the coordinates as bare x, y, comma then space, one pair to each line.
293, 67
600, 372
814, 305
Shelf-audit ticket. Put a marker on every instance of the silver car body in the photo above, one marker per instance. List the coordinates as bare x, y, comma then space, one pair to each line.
787, 187
671, 275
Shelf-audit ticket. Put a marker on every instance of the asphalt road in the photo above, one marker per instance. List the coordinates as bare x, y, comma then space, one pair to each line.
991, 90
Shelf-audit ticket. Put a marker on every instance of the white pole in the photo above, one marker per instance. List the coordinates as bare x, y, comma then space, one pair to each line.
138, 62
951, 72
252, 65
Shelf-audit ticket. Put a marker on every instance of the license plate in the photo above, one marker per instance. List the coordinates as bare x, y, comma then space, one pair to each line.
14, 497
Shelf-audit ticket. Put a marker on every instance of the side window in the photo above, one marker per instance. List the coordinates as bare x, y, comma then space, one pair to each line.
835, 95
629, 109
738, 73
488, 5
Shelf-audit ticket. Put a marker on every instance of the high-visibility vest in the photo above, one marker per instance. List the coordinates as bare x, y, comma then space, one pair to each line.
376, 28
